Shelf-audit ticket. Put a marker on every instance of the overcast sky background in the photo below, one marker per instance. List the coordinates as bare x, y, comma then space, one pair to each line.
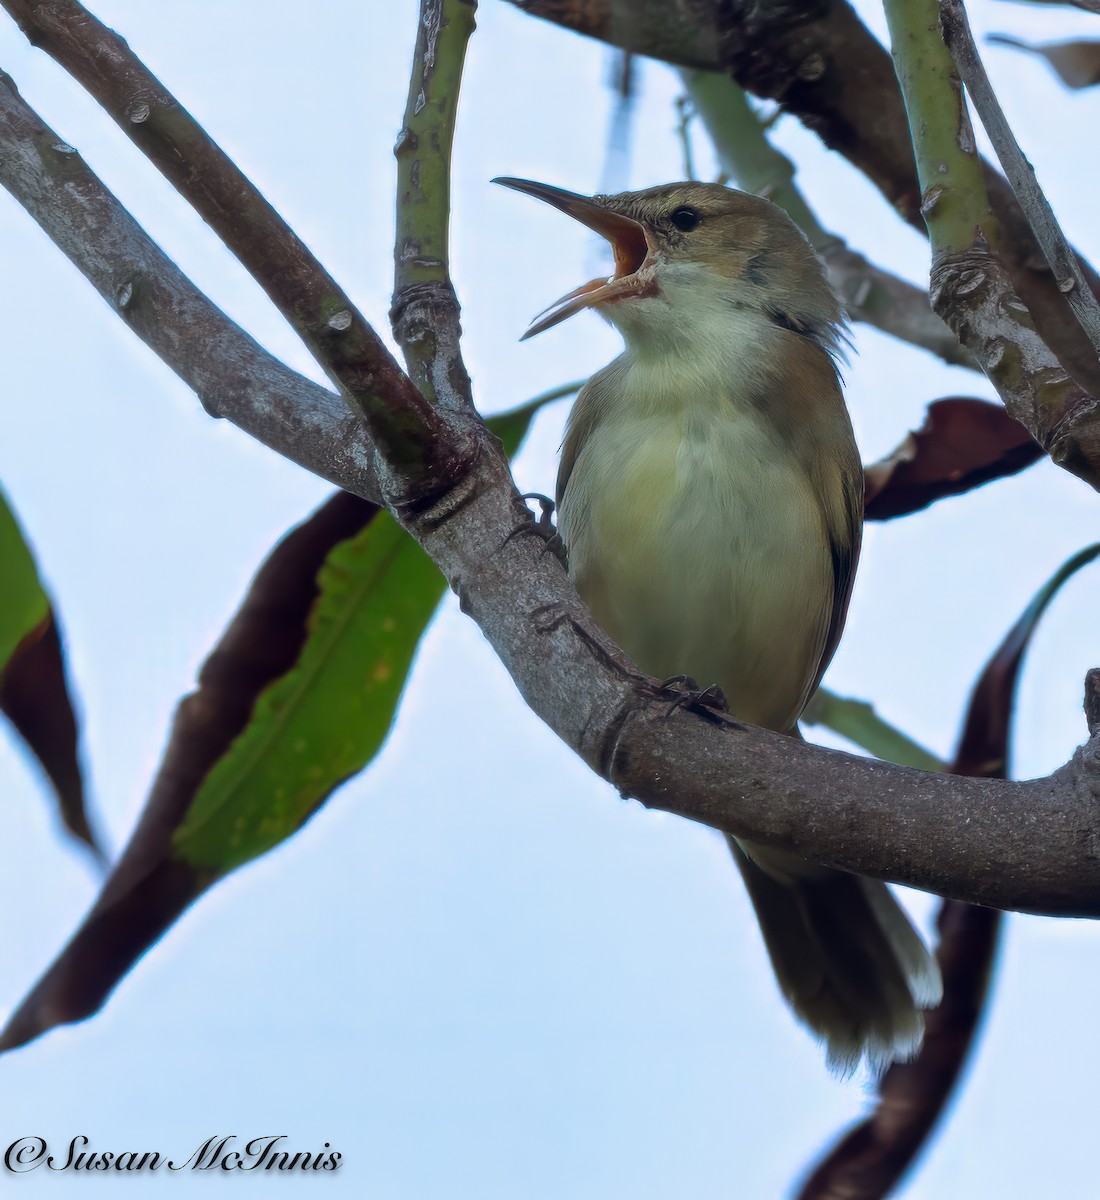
477, 972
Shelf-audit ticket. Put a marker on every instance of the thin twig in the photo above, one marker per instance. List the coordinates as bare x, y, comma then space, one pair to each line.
623, 82
685, 114
339, 337
425, 313
1021, 174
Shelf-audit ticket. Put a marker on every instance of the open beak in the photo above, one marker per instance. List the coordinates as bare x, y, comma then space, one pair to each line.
628, 240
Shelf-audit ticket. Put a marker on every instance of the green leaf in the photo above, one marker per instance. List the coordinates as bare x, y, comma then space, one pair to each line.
328, 716
34, 691
298, 695
24, 605
857, 721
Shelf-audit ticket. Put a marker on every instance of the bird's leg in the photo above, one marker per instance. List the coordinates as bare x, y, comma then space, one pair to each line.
543, 527
684, 692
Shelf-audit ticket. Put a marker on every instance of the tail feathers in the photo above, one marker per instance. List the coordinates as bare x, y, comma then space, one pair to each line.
846, 957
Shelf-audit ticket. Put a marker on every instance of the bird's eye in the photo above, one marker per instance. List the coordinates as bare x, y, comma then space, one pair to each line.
685, 218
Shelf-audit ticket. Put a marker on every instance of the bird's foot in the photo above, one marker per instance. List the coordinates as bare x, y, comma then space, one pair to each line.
684, 692
542, 528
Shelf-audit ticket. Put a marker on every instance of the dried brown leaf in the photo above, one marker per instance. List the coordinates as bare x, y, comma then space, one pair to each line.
963, 443
1077, 64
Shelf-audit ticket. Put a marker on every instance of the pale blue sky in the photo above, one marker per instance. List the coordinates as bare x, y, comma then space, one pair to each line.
478, 973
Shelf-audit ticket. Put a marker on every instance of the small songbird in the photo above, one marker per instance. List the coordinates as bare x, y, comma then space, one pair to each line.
710, 501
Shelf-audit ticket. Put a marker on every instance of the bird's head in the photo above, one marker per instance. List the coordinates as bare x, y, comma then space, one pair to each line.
681, 248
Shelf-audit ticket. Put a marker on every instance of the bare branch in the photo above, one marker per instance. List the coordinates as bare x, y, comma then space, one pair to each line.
233, 375
1021, 174
652, 27
341, 339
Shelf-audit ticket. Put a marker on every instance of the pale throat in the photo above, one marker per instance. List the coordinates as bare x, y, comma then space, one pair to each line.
699, 339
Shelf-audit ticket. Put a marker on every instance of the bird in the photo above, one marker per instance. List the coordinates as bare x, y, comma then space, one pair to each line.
710, 506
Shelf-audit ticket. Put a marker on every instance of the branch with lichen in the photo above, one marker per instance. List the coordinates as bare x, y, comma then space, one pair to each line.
869, 293
425, 312
970, 287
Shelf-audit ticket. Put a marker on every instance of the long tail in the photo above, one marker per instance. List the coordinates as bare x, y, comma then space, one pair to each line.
846, 957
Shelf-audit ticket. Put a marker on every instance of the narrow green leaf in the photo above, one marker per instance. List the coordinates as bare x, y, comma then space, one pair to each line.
327, 717
511, 427
24, 605
857, 721
34, 691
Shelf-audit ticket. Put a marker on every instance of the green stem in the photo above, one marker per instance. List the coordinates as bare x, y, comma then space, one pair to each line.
422, 280
954, 202
424, 148
744, 151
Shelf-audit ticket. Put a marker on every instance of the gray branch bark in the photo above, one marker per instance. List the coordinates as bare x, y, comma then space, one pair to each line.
231, 373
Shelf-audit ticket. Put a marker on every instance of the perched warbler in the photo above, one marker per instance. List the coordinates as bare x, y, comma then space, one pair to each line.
710, 501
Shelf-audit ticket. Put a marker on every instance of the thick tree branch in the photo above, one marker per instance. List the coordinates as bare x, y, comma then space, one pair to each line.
1021, 174
232, 374
970, 288
399, 419
651, 27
